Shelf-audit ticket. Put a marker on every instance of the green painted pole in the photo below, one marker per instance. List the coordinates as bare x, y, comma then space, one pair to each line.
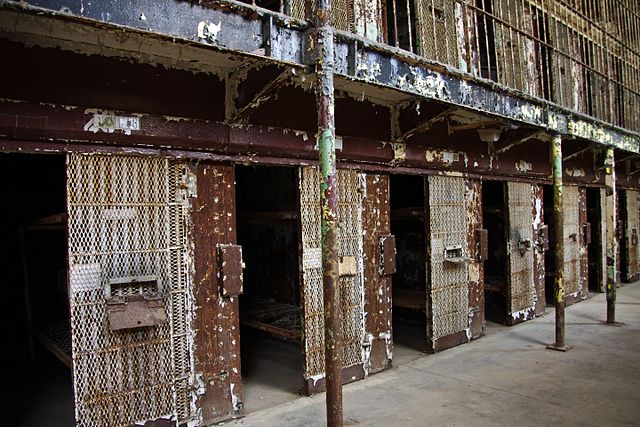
329, 200
611, 241
558, 223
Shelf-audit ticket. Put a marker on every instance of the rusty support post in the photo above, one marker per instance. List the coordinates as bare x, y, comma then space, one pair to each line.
329, 209
611, 241
558, 219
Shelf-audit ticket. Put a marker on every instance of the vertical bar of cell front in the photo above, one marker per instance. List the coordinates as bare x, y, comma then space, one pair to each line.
329, 210
612, 243
558, 218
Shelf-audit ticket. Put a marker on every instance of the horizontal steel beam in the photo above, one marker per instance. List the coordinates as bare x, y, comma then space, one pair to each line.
241, 30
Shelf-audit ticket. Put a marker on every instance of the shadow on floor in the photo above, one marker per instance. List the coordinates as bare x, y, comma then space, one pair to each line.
38, 393
271, 370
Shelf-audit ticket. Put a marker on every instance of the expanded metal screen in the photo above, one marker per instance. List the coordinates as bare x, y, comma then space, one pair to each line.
127, 221
436, 32
520, 207
633, 222
351, 287
571, 222
449, 281
350, 197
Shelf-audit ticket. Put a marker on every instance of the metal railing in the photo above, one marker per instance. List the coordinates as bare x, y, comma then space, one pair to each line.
581, 54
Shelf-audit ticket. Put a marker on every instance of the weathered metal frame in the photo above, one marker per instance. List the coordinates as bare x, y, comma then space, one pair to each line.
356, 58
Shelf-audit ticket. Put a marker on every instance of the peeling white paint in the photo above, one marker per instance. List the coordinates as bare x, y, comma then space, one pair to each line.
235, 401
209, 31
399, 152
527, 313
575, 172
523, 166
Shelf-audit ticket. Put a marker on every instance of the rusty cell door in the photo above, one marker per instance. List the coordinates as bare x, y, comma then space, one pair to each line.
447, 262
540, 246
521, 294
132, 297
379, 264
477, 246
350, 194
632, 230
629, 237
574, 207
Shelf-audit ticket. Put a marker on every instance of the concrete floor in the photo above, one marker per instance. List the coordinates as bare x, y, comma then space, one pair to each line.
505, 378
271, 371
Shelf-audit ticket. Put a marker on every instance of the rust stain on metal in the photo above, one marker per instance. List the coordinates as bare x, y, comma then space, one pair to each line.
377, 286
476, 265
540, 245
230, 258
583, 251
217, 337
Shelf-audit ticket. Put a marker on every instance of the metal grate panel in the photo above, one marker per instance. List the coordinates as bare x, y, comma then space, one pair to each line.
296, 8
449, 291
343, 15
436, 30
570, 205
633, 223
126, 220
520, 201
350, 245
351, 287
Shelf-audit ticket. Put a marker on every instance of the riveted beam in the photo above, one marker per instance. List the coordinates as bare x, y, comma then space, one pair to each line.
237, 29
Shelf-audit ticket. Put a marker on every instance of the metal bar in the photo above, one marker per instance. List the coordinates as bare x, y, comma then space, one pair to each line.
611, 242
329, 199
512, 144
558, 219
395, 24
409, 26
424, 126
262, 96
579, 152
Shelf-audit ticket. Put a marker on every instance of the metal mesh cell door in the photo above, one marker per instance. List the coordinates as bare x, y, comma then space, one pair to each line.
633, 224
521, 292
436, 30
351, 283
571, 223
447, 265
127, 241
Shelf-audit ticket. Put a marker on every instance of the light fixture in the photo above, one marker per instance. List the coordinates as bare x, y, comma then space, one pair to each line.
489, 134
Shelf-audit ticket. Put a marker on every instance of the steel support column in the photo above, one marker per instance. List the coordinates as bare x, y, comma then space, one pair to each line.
611, 241
329, 199
558, 223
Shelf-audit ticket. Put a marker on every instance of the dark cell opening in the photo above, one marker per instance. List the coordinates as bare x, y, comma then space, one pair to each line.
495, 220
270, 312
409, 283
549, 254
34, 317
594, 218
622, 230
